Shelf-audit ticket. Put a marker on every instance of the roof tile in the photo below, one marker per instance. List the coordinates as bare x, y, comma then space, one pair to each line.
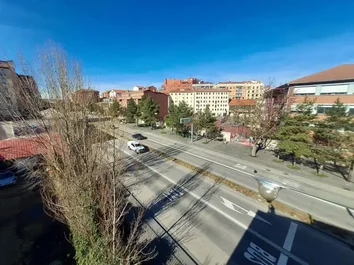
338, 73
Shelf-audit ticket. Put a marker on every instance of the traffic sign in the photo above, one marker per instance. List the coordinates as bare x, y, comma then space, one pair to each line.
185, 120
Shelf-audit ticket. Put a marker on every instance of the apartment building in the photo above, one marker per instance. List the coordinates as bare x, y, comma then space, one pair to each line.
253, 89
204, 85
87, 96
16, 92
160, 98
324, 87
244, 89
198, 99
177, 84
235, 88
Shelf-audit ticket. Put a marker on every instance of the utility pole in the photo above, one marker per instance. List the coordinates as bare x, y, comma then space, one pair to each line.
192, 131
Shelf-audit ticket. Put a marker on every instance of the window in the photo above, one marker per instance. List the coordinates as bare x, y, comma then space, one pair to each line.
322, 110
334, 93
351, 111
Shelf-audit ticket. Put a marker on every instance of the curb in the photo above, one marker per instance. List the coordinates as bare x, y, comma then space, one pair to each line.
294, 213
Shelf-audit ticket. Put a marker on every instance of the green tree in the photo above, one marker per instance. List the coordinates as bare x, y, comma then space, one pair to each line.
115, 110
337, 116
176, 112
333, 135
206, 121
296, 132
131, 111
148, 110
347, 152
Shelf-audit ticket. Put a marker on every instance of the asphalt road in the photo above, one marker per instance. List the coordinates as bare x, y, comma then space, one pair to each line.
243, 174
219, 226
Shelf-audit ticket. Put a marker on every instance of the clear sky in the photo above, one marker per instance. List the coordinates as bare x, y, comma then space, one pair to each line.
141, 42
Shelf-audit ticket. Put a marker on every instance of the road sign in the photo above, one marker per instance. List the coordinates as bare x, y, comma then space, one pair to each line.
185, 120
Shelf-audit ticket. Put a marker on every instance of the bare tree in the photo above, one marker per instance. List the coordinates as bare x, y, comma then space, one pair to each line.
265, 117
79, 181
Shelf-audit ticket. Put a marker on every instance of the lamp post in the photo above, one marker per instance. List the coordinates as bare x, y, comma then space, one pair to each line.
269, 190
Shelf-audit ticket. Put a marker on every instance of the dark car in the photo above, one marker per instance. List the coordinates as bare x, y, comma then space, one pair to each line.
139, 136
7, 178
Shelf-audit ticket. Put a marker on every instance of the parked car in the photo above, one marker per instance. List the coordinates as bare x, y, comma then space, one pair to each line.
7, 178
139, 136
136, 147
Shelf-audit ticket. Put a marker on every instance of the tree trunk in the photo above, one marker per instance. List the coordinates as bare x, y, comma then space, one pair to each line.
351, 172
293, 160
317, 167
254, 150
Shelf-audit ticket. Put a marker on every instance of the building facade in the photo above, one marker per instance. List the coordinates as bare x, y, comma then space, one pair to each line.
16, 92
178, 84
204, 85
244, 89
160, 98
241, 106
253, 90
235, 88
87, 96
324, 88
198, 99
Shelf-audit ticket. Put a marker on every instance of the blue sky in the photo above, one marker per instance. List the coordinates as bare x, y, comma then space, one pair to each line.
141, 42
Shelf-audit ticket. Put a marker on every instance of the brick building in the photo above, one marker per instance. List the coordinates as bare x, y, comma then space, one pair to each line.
87, 96
177, 84
16, 92
160, 98
324, 87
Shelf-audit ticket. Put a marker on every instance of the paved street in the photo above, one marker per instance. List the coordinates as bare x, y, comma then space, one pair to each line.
226, 167
217, 225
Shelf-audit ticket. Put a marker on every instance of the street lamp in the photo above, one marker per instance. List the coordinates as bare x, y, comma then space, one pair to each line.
269, 190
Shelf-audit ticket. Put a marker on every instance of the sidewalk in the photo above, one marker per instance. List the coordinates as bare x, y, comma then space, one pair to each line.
336, 190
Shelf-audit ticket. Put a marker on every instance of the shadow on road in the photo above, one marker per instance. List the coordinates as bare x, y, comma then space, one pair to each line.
168, 240
285, 241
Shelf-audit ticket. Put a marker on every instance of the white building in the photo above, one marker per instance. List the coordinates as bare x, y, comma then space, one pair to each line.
203, 86
217, 99
138, 88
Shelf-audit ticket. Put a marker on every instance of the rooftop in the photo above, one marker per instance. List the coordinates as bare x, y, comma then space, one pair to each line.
19, 147
232, 82
339, 73
242, 102
200, 90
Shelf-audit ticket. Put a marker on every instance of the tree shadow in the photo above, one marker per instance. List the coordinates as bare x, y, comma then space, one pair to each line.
168, 240
337, 171
185, 227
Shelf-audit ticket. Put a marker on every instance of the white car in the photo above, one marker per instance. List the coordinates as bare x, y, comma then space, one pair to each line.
136, 146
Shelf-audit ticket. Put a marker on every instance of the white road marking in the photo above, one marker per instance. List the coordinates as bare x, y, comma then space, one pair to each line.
283, 260
231, 205
209, 160
241, 166
243, 226
257, 255
246, 173
322, 200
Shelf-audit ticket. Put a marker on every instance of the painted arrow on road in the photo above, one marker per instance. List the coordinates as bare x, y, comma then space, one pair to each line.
232, 206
